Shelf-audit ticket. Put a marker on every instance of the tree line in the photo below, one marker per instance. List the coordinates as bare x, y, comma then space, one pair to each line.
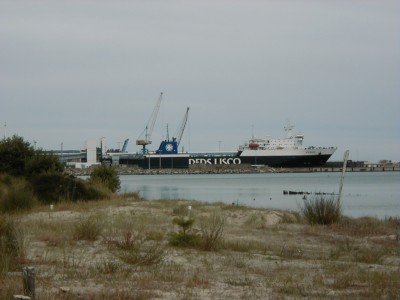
29, 176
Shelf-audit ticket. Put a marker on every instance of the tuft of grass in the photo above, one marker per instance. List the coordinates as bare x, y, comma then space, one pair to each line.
212, 230
246, 246
255, 220
321, 210
89, 228
180, 210
136, 249
11, 246
291, 252
372, 284
108, 267
349, 250
131, 196
369, 255
291, 218
291, 285
366, 226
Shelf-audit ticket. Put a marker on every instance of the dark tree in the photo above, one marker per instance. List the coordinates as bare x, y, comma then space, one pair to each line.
42, 162
14, 152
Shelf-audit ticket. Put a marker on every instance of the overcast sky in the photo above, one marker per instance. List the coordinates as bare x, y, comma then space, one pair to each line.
71, 71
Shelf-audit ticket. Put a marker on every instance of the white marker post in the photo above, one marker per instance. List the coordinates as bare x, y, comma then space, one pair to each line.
345, 157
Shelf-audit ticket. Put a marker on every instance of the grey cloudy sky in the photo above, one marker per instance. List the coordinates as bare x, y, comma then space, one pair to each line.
77, 70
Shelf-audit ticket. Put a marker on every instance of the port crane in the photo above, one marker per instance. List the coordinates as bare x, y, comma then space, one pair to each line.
179, 133
125, 146
145, 136
171, 146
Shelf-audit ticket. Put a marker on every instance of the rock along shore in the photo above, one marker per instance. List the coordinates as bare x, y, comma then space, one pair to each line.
226, 169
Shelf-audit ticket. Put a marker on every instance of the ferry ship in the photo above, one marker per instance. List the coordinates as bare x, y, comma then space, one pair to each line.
283, 152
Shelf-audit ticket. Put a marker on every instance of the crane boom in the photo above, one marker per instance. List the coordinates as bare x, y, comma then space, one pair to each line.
150, 126
181, 127
125, 145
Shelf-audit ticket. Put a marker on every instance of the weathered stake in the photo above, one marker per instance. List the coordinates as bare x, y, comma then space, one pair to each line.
28, 274
345, 157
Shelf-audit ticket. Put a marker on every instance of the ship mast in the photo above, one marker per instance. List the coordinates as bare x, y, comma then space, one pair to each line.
288, 128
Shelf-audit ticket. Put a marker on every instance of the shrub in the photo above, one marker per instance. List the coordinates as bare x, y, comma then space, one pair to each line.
14, 152
88, 229
186, 237
211, 229
42, 162
15, 194
107, 176
85, 190
321, 210
19, 158
53, 187
135, 249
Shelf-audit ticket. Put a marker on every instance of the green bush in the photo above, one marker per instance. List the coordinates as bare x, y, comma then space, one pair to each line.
186, 237
19, 158
15, 194
14, 152
53, 187
95, 191
107, 176
321, 210
47, 181
42, 162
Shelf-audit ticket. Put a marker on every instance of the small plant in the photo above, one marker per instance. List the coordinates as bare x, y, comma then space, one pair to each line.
369, 255
256, 221
212, 230
108, 267
186, 237
135, 249
291, 252
88, 229
321, 210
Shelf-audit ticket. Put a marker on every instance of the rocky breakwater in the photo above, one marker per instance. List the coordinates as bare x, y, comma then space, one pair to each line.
193, 169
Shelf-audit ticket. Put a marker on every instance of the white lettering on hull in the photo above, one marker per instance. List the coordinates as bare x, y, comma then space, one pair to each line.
215, 161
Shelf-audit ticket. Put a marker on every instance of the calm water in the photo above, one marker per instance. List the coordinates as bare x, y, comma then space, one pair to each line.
364, 194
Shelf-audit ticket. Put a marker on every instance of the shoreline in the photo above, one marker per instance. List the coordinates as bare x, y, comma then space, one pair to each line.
242, 169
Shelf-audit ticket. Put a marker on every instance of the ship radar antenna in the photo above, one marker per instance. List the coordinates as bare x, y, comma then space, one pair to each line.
288, 128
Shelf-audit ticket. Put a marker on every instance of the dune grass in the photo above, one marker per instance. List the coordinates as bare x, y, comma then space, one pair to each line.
100, 249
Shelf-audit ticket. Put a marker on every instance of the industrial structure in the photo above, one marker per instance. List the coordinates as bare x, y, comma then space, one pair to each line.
145, 137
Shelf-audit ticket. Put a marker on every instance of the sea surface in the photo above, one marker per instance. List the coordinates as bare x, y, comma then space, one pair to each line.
364, 194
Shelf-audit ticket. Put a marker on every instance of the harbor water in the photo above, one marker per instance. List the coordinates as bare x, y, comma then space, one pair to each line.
374, 194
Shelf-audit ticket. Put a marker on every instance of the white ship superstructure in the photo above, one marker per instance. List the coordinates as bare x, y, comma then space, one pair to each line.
287, 151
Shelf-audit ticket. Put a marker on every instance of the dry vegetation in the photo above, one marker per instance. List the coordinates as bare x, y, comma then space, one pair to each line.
120, 249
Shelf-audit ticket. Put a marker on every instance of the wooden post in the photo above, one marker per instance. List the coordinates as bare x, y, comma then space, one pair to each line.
28, 274
345, 157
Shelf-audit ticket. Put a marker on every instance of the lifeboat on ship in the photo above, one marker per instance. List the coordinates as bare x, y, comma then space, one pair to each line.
254, 146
